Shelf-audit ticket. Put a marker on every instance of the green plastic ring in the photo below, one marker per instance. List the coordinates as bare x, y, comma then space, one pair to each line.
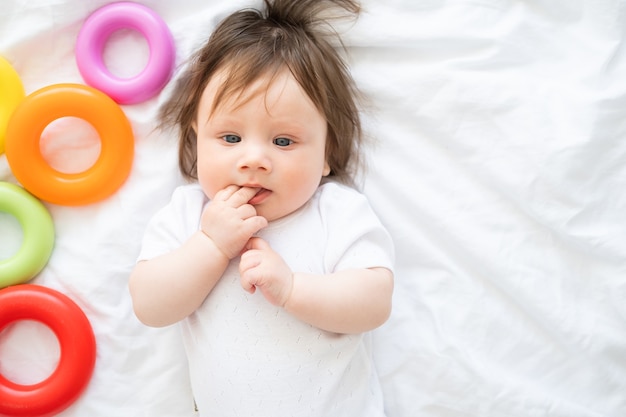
38, 232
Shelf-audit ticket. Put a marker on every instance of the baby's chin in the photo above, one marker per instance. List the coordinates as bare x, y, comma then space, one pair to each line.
272, 214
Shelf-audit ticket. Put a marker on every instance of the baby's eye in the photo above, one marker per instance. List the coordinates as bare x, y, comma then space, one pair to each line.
282, 141
231, 138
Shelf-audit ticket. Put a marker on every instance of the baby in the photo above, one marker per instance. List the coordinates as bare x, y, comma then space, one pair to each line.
275, 268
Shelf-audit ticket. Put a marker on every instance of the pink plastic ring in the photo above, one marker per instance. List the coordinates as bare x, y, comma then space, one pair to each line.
76, 341
92, 39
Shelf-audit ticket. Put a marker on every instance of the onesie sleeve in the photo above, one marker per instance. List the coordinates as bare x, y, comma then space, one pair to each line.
356, 237
173, 224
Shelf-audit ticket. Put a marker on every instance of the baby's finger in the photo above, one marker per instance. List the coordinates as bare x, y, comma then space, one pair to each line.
247, 264
242, 196
225, 193
253, 224
257, 243
247, 286
246, 211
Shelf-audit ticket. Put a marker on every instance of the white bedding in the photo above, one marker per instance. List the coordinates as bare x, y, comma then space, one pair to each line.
499, 166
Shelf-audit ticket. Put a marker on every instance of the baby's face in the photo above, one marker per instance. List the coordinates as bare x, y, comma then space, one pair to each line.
271, 137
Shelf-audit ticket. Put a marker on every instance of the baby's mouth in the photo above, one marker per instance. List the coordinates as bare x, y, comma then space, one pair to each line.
260, 196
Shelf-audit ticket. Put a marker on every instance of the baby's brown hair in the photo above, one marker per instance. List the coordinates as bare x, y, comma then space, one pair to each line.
250, 44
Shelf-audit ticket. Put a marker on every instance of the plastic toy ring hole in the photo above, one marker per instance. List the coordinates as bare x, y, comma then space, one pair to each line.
70, 145
77, 351
116, 58
38, 235
12, 94
93, 37
29, 350
37, 111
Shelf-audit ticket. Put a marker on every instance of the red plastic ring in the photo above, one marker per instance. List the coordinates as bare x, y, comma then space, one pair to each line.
77, 345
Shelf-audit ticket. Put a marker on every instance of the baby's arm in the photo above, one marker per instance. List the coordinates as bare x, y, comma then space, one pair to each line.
168, 288
348, 301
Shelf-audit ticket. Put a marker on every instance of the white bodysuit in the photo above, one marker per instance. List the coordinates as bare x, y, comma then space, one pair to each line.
249, 358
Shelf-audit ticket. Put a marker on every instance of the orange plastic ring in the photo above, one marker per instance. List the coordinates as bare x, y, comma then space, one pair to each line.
42, 107
77, 345
12, 95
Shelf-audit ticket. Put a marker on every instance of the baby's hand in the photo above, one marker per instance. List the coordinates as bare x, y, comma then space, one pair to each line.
266, 270
230, 221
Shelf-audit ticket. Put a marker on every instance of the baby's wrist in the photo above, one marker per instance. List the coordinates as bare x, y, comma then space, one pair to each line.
288, 298
216, 248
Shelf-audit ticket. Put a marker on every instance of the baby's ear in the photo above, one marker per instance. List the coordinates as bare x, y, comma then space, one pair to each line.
326, 170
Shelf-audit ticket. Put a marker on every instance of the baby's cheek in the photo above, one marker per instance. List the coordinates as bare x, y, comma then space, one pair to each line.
209, 188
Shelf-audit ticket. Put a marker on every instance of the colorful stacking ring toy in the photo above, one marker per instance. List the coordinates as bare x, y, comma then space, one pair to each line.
11, 93
92, 39
77, 345
38, 110
38, 235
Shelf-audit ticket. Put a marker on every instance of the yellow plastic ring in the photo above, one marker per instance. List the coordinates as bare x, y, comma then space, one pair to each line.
38, 232
11, 94
42, 107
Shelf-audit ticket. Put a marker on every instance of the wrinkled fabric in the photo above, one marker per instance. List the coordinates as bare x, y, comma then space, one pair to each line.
497, 161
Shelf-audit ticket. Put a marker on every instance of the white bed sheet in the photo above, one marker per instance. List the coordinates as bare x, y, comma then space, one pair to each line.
498, 165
